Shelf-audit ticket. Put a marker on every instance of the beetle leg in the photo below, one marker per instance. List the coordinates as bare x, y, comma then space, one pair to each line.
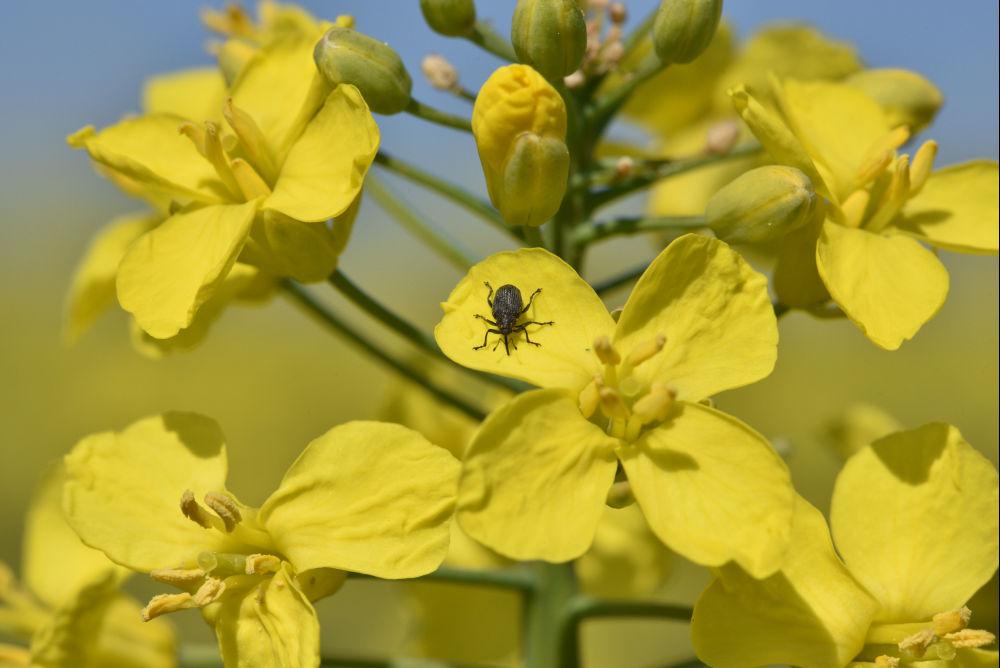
530, 299
488, 332
489, 297
535, 322
487, 320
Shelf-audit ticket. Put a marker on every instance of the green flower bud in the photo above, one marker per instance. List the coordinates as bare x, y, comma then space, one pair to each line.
533, 180
347, 56
908, 98
453, 18
683, 28
550, 36
762, 204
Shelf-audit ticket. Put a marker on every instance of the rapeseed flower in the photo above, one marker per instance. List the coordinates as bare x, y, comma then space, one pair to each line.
69, 611
365, 497
867, 254
914, 519
538, 470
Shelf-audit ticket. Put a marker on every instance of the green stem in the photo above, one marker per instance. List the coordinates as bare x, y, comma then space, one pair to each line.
581, 608
633, 225
619, 280
605, 107
543, 611
448, 190
418, 226
635, 37
514, 580
406, 329
667, 169
533, 236
488, 39
301, 296
428, 113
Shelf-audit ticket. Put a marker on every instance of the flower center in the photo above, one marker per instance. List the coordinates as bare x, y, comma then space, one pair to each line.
218, 572
626, 402
939, 639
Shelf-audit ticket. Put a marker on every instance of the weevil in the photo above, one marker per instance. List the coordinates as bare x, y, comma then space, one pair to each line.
507, 308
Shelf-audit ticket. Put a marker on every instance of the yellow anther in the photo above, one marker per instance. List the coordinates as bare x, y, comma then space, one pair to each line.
589, 398
606, 352
853, 208
220, 161
879, 155
920, 168
612, 403
645, 350
182, 578
227, 510
916, 645
262, 563
872, 167
209, 592
951, 621
656, 404
886, 661
248, 180
195, 133
971, 638
894, 197
193, 511
252, 140
163, 604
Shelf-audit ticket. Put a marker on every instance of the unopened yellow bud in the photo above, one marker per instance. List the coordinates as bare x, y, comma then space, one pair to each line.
920, 168
645, 350
683, 28
449, 17
549, 35
606, 352
439, 71
908, 98
519, 122
951, 621
762, 204
348, 56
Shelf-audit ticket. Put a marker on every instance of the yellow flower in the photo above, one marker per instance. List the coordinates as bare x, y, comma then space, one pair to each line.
69, 610
627, 395
294, 157
866, 255
914, 517
366, 497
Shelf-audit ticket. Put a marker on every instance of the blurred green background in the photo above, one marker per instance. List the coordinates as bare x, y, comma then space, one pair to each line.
275, 379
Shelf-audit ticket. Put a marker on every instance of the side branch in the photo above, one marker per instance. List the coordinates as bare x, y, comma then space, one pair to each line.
586, 234
485, 37
428, 113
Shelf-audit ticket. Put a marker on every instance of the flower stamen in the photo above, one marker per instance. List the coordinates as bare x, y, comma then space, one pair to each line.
193, 510
182, 578
227, 510
646, 350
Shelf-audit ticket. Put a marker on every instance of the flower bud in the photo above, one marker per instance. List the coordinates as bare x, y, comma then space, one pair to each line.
908, 98
683, 28
347, 56
762, 204
453, 18
549, 35
519, 122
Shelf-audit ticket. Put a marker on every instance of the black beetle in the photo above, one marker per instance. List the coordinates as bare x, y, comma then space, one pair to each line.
507, 310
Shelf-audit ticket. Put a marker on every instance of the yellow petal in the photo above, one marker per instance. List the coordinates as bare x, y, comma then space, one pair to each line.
915, 517
126, 641
810, 613
837, 124
55, 563
797, 282
626, 559
366, 497
168, 273
859, 426
123, 490
272, 625
889, 286
195, 94
713, 309
93, 288
776, 137
535, 478
281, 90
956, 209
326, 166
151, 152
564, 357
69, 636
244, 284
712, 489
